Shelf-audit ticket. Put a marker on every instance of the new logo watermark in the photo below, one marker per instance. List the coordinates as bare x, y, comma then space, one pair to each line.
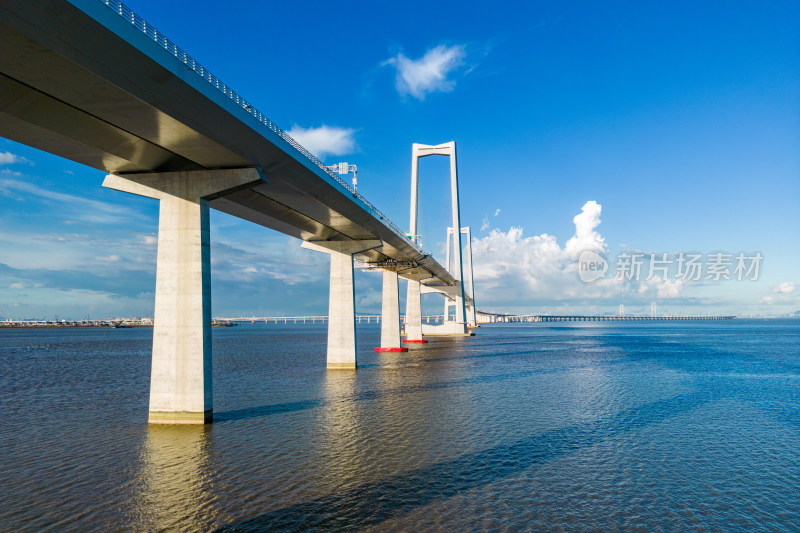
684, 266
591, 266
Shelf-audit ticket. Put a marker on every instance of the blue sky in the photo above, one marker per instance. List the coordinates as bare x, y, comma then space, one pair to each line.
668, 128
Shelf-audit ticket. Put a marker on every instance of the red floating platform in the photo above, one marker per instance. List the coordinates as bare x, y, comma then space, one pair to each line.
415, 341
380, 349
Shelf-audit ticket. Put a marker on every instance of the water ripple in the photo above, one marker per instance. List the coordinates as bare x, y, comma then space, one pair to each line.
639, 427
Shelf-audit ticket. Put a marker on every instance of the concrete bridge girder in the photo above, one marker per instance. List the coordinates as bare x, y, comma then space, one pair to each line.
449, 292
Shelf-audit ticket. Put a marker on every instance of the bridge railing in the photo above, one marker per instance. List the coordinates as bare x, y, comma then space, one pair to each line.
180, 55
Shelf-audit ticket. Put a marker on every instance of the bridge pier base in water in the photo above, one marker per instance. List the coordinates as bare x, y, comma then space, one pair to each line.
341, 305
180, 375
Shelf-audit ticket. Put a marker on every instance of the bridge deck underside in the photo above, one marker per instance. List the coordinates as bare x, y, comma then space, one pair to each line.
105, 95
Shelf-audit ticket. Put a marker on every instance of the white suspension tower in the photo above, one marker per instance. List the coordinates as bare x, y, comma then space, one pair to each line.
413, 306
471, 314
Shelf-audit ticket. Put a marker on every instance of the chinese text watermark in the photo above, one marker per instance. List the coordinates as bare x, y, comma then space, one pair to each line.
684, 266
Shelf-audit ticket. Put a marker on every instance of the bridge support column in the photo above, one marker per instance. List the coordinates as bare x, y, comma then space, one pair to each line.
180, 375
413, 312
341, 304
390, 314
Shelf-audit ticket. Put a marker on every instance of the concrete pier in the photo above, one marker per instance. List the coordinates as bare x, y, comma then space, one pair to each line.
341, 304
390, 314
413, 312
180, 376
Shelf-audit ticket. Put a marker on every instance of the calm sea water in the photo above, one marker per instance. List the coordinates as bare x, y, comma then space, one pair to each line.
557, 427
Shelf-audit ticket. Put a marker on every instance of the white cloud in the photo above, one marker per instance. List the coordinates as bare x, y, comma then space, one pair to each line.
113, 258
428, 73
369, 298
325, 140
85, 209
17, 285
497, 211
783, 288
784, 295
281, 259
661, 288
670, 288
585, 237
7, 158
28, 250
514, 271
148, 240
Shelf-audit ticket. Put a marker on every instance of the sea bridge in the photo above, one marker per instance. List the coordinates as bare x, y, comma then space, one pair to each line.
91, 81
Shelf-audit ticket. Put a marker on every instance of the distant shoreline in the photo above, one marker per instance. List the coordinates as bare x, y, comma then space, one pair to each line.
81, 324
74, 326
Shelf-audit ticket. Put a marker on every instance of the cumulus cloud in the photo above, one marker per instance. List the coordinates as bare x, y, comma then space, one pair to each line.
783, 288
523, 272
325, 140
783, 295
661, 288
586, 238
418, 77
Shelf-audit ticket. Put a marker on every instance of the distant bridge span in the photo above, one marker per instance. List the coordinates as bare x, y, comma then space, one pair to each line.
491, 318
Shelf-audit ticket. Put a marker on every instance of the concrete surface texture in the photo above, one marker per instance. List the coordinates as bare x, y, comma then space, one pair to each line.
180, 379
390, 311
341, 303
